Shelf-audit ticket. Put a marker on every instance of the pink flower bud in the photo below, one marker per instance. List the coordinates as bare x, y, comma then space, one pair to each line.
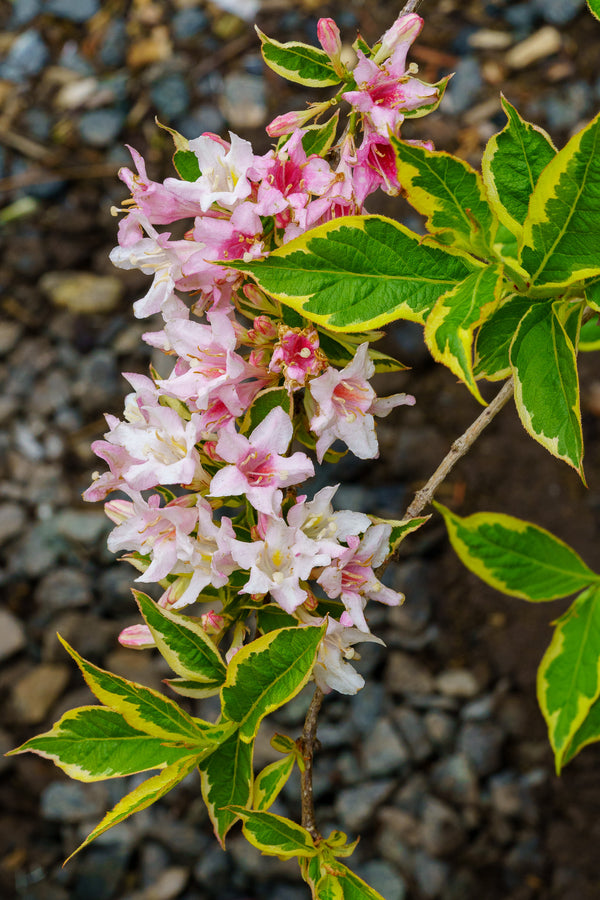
329, 38
401, 34
137, 637
212, 622
289, 122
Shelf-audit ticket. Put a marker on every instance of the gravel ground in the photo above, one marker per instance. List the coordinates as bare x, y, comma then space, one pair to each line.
441, 762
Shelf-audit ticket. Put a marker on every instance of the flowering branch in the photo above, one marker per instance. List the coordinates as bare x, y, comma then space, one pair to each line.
307, 744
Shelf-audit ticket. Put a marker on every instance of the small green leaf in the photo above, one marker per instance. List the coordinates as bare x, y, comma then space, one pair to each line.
587, 733
141, 707
589, 337
226, 778
187, 165
195, 689
359, 272
272, 617
450, 193
568, 680
353, 887
517, 557
317, 139
492, 345
298, 62
561, 234
450, 327
425, 109
275, 835
267, 673
183, 642
594, 6
271, 780
400, 528
93, 743
592, 293
143, 796
544, 366
263, 403
511, 164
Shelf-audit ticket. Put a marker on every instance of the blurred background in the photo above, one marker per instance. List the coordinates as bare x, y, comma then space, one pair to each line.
441, 763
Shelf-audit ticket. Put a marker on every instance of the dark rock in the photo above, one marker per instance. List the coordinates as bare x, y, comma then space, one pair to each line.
457, 683
188, 22
23, 11
114, 44
558, 12
35, 694
481, 742
74, 10
12, 635
412, 729
64, 588
383, 878
27, 56
71, 58
442, 832
564, 110
411, 579
99, 873
464, 87
243, 102
100, 127
506, 794
383, 751
12, 521
69, 802
170, 95
441, 728
366, 707
356, 805
455, 779
430, 874
406, 675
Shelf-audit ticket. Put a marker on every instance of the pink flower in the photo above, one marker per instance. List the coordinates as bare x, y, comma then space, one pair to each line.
155, 200
330, 40
257, 469
297, 355
351, 576
319, 522
398, 38
345, 403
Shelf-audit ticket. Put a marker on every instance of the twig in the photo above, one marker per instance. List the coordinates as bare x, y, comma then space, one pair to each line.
409, 7
68, 173
458, 450
307, 744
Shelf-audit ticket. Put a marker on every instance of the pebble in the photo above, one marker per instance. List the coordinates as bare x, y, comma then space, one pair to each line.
27, 56
413, 730
457, 683
383, 751
430, 874
64, 588
356, 805
481, 743
188, 22
38, 551
12, 635
406, 675
23, 11
442, 832
81, 526
74, 10
167, 885
114, 44
366, 707
454, 778
541, 44
101, 127
382, 877
10, 332
465, 86
36, 693
82, 292
201, 119
411, 579
566, 108
243, 102
100, 871
70, 802
12, 520
558, 12
170, 95
505, 794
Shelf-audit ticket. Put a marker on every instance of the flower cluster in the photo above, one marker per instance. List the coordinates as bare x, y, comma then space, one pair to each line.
203, 458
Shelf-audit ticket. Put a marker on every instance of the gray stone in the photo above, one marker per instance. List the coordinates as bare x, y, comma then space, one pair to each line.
466, 84
100, 127
356, 805
114, 44
383, 877
411, 579
64, 588
366, 707
81, 526
383, 751
201, 119
100, 871
12, 635
243, 102
12, 520
506, 794
70, 802
406, 675
82, 292
441, 728
441, 829
457, 683
74, 10
35, 694
27, 56
481, 742
431, 875
455, 779
10, 332
99, 380
565, 109
23, 12
170, 95
413, 730
558, 12
38, 552
188, 22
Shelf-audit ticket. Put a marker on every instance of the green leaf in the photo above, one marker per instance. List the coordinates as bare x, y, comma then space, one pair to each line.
561, 234
195, 689
318, 139
328, 887
143, 796
182, 642
271, 617
512, 163
517, 557
400, 528
141, 707
226, 778
594, 6
93, 743
187, 165
298, 62
592, 294
340, 352
589, 337
492, 345
359, 272
353, 887
544, 365
450, 327
275, 835
450, 193
267, 673
568, 680
271, 780
263, 403
424, 110
587, 733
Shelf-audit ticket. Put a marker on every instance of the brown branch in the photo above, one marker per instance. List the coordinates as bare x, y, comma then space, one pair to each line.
307, 744
458, 450
410, 7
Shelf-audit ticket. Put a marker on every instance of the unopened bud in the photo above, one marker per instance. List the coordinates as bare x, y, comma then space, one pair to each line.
330, 40
402, 33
